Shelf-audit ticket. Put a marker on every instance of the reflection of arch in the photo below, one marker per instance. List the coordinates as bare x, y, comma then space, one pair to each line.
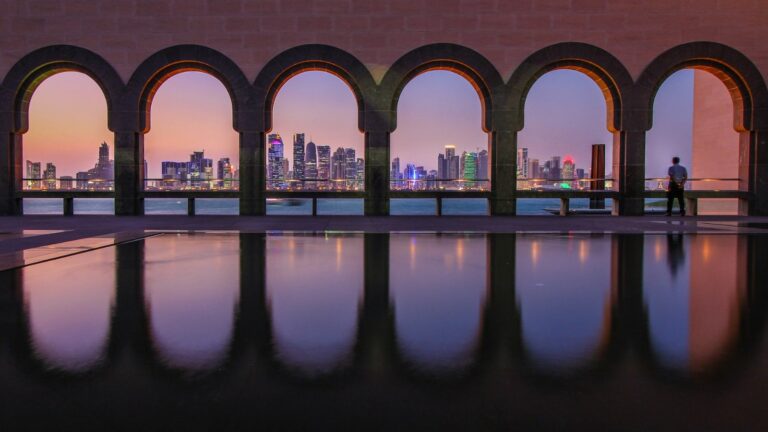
159, 67
471, 65
308, 58
29, 72
740, 76
603, 68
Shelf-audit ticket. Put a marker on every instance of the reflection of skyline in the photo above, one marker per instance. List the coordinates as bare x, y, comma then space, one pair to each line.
439, 293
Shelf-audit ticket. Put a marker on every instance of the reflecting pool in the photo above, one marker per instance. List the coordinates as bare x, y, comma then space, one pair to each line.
401, 331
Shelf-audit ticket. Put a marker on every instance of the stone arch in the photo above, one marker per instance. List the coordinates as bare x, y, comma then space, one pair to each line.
164, 64
740, 76
28, 73
603, 68
313, 57
470, 64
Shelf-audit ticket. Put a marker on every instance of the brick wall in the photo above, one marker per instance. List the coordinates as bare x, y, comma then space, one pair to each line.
125, 32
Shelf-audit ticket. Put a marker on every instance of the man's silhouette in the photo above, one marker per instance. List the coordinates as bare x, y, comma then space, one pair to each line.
677, 177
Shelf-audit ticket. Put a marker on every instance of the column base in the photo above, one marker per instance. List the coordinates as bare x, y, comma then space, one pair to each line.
129, 206
630, 206
502, 206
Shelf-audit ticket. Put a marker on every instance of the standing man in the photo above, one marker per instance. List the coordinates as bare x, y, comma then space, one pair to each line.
677, 177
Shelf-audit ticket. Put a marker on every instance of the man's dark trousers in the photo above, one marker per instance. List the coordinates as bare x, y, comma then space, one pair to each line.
675, 191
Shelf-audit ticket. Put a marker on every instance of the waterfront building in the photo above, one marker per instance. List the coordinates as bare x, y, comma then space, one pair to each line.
470, 166
569, 168
482, 165
350, 164
441, 166
275, 170
323, 162
223, 169
533, 169
50, 176
65, 182
298, 157
339, 164
522, 163
310, 162
33, 174
360, 166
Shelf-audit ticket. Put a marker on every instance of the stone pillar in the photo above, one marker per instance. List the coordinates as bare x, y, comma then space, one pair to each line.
253, 182
129, 173
11, 172
377, 173
503, 145
753, 172
629, 171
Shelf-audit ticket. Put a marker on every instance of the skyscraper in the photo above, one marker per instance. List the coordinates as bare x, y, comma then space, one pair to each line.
275, 158
298, 156
453, 168
323, 162
223, 169
522, 163
338, 164
360, 165
569, 168
310, 162
534, 169
395, 174
482, 165
441, 166
33, 174
350, 164
554, 168
50, 175
470, 166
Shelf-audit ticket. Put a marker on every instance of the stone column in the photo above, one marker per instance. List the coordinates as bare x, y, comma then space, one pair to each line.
129, 173
11, 172
377, 173
629, 171
253, 201
503, 145
753, 172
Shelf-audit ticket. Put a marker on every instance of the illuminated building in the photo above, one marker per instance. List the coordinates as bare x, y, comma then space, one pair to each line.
224, 169
533, 169
275, 170
33, 173
470, 166
50, 175
338, 164
298, 156
568, 168
323, 162
441, 166
350, 164
522, 163
310, 162
482, 165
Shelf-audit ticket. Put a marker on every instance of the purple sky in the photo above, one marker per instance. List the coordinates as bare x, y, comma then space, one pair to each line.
564, 115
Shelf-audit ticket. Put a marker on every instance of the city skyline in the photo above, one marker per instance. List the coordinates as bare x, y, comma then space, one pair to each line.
174, 118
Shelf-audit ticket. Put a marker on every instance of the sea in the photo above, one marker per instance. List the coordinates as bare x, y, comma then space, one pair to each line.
329, 206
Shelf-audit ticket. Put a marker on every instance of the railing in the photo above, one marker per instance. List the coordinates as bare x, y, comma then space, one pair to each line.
440, 185
316, 185
661, 183
176, 185
67, 185
564, 184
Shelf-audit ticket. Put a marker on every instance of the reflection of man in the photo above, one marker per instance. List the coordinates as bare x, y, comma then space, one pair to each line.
677, 177
675, 253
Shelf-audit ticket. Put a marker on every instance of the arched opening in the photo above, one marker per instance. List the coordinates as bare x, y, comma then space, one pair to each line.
693, 119
694, 287
69, 310
438, 286
565, 145
191, 145
315, 145
440, 144
565, 296
68, 147
314, 286
191, 294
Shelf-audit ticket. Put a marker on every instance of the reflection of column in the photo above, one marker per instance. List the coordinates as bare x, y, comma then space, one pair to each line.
375, 329
501, 318
252, 328
252, 174
377, 173
13, 335
627, 275
129, 335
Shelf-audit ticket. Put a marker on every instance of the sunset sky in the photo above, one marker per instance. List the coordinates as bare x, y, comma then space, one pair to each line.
564, 115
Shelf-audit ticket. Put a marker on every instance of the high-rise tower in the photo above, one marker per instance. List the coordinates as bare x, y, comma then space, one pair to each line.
298, 156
